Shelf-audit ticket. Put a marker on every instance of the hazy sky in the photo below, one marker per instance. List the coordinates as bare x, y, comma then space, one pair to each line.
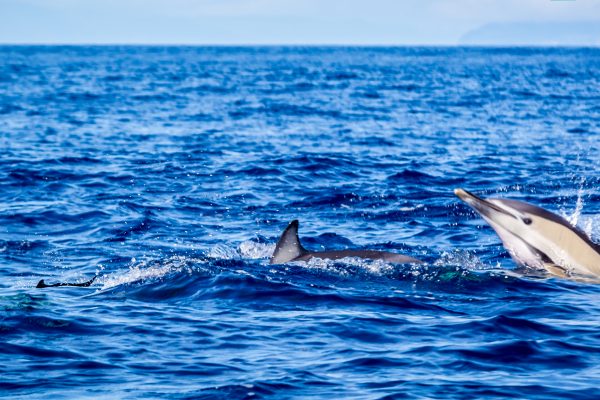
301, 21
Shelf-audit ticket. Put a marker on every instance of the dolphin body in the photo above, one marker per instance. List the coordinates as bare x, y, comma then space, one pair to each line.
289, 249
41, 284
537, 238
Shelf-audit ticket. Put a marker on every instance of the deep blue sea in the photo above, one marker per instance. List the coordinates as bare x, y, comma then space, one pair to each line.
170, 172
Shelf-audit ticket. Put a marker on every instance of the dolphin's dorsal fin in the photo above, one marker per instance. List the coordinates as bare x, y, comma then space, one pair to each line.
556, 269
288, 247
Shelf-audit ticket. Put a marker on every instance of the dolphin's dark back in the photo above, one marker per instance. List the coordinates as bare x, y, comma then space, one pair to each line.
289, 248
365, 254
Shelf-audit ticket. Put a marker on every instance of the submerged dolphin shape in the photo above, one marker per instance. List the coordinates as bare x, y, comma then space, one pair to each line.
41, 284
289, 249
537, 238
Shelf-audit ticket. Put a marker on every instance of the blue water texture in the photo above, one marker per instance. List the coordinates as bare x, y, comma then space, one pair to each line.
170, 172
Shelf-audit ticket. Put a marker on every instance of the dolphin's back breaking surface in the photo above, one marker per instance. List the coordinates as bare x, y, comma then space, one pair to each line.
289, 248
366, 254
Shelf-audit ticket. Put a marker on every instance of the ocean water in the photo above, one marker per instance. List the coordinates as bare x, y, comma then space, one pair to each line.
170, 172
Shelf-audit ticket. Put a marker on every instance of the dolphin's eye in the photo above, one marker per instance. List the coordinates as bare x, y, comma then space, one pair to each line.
527, 221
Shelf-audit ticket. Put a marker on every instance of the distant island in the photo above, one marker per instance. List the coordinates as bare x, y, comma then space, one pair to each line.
582, 33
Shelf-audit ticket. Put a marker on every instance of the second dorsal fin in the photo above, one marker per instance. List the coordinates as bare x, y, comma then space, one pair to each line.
288, 247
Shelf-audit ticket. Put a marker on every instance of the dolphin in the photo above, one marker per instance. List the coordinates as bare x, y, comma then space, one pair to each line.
289, 249
537, 238
41, 284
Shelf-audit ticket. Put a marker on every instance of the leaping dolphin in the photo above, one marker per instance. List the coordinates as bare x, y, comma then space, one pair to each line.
537, 238
289, 249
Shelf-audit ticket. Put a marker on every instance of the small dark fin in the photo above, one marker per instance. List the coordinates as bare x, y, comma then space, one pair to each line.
41, 284
556, 270
288, 247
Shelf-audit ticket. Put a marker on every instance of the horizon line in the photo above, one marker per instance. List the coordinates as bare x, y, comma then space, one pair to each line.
174, 44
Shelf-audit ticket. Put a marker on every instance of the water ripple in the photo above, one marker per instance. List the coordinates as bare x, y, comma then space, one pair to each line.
170, 172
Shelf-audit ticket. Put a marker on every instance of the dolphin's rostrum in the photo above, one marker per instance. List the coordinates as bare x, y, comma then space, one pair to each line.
537, 238
289, 249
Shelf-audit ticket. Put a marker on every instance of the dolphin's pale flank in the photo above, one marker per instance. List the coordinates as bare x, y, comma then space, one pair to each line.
289, 249
537, 238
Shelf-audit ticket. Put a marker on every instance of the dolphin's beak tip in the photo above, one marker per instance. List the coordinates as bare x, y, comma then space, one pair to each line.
459, 192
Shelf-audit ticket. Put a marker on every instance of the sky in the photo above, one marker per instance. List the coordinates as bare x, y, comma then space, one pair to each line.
311, 22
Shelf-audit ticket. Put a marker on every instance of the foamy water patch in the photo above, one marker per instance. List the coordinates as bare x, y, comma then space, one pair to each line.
223, 252
349, 266
465, 259
448, 268
153, 269
329, 266
248, 249
255, 250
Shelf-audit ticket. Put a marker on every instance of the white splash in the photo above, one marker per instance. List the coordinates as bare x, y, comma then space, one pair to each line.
463, 258
248, 249
142, 270
223, 252
340, 266
574, 217
589, 224
254, 250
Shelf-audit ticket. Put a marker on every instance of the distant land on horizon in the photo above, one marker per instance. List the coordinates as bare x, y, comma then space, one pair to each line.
577, 33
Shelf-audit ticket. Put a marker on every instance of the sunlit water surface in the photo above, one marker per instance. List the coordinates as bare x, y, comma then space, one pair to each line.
171, 171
